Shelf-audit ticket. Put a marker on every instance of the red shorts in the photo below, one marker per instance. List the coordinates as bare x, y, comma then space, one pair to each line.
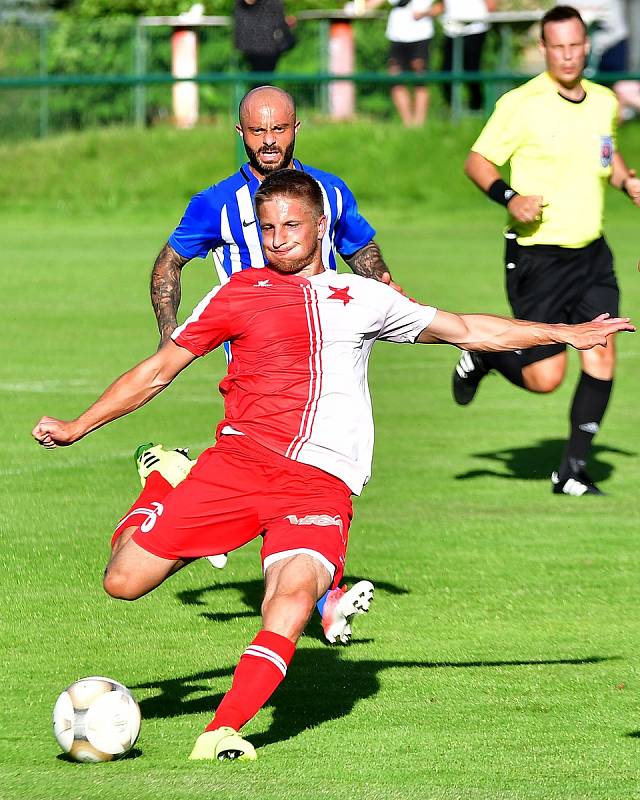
239, 490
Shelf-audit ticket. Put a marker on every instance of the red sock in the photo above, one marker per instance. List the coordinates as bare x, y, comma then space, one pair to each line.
155, 489
262, 667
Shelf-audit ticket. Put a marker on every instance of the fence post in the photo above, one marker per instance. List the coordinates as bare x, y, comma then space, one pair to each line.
323, 60
457, 65
43, 117
184, 64
238, 94
342, 94
140, 69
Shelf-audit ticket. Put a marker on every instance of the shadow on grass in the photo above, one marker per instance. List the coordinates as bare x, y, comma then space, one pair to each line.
251, 592
320, 687
536, 462
135, 752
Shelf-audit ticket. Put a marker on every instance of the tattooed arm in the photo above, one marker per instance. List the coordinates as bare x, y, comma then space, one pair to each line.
369, 263
165, 290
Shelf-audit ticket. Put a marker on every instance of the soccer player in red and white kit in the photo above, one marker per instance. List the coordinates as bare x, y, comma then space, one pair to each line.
297, 435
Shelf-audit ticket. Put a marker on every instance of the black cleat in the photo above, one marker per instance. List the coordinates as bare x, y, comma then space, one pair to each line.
469, 371
573, 480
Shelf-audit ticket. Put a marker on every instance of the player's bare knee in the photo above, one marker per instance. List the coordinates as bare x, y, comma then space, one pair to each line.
543, 384
117, 584
545, 376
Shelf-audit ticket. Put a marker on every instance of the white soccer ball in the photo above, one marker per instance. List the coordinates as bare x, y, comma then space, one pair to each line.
96, 719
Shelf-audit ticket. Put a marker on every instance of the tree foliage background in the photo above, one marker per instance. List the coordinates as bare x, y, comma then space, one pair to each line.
101, 37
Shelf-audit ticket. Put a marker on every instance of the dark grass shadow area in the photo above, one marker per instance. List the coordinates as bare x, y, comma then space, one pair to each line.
135, 752
174, 695
320, 687
323, 688
537, 461
251, 592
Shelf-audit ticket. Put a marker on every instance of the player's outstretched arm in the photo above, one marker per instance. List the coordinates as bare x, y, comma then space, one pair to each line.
130, 391
489, 333
166, 291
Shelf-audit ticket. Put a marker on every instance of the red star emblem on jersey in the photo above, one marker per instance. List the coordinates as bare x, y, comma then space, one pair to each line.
340, 294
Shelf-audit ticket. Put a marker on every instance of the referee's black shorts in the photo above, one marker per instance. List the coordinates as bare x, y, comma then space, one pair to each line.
548, 283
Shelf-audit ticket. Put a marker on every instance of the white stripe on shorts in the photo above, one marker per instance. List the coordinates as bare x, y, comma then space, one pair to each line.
274, 557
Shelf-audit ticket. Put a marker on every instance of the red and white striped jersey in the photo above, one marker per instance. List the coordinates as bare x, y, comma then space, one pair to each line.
297, 382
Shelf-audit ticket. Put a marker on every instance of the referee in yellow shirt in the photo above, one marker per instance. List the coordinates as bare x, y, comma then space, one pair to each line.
558, 134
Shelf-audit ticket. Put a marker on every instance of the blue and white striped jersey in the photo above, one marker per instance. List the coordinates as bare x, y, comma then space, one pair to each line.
222, 219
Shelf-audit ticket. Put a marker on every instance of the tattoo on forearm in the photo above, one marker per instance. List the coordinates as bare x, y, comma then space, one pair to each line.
165, 289
368, 262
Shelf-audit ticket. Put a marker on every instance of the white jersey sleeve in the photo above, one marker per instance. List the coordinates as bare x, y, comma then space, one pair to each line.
405, 318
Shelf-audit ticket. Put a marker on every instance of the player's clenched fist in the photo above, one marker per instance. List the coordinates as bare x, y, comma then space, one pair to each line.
51, 432
631, 185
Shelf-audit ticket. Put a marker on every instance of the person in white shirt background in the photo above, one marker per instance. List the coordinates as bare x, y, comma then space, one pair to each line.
610, 45
409, 31
466, 20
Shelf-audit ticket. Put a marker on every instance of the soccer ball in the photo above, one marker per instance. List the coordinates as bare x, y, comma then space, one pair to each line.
96, 719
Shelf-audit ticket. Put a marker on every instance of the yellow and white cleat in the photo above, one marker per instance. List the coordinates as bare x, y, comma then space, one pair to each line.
222, 744
173, 465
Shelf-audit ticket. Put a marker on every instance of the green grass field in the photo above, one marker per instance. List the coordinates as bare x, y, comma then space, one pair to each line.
501, 657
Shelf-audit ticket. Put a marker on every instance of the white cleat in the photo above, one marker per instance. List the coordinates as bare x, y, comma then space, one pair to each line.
341, 607
219, 562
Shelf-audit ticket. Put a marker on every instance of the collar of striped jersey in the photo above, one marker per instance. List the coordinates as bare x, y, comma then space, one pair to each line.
253, 182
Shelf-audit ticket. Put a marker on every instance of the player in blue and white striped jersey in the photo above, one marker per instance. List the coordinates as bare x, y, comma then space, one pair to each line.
221, 219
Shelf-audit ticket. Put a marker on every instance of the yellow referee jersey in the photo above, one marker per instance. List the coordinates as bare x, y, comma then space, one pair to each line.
559, 149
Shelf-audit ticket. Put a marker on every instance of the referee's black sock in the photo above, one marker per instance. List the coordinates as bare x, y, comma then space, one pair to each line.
589, 404
508, 364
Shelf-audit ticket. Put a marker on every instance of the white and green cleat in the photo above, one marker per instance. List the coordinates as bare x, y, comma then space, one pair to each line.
173, 465
222, 744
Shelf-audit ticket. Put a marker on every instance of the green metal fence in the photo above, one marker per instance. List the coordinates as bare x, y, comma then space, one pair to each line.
67, 75
62, 73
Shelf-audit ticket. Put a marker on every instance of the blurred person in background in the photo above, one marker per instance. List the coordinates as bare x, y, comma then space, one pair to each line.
262, 32
409, 31
457, 25
610, 42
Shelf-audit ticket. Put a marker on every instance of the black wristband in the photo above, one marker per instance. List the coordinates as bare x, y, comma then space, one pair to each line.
501, 192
